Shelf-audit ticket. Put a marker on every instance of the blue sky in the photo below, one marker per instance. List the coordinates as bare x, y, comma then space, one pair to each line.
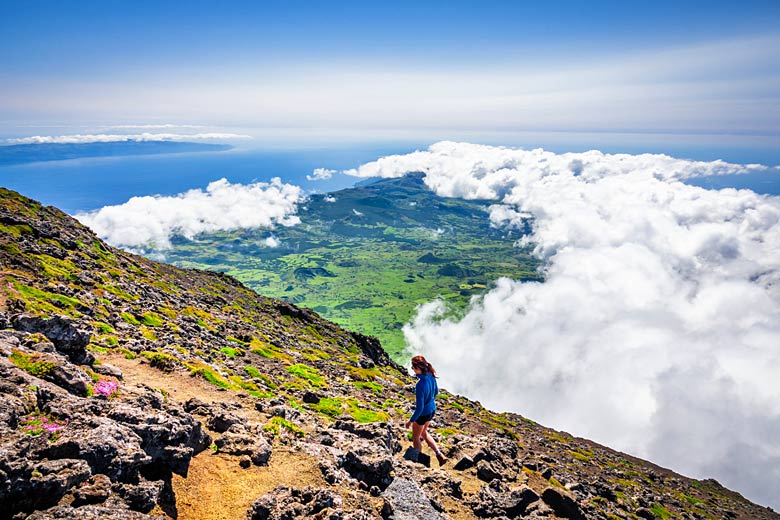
564, 66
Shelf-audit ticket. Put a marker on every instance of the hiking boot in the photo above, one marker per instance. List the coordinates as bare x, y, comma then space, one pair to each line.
441, 458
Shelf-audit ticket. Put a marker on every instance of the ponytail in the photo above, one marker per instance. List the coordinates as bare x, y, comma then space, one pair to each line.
420, 363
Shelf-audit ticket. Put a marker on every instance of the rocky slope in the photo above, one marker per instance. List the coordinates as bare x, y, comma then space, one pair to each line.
132, 389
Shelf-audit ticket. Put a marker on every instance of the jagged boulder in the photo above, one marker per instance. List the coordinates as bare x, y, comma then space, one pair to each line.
405, 500
497, 500
286, 503
95, 491
369, 470
563, 503
255, 446
66, 335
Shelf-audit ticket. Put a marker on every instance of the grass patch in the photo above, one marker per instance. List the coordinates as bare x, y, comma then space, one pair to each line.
41, 301
160, 360
231, 352
103, 328
148, 333
330, 406
311, 374
129, 354
369, 385
279, 425
151, 319
129, 318
252, 371
661, 512
211, 376
31, 363
119, 293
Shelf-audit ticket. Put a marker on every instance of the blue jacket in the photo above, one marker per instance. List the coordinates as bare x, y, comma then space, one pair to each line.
426, 390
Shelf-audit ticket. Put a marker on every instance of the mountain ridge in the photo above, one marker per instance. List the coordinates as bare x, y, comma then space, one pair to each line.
136, 389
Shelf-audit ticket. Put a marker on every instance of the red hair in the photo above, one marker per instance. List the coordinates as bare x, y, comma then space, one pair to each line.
423, 366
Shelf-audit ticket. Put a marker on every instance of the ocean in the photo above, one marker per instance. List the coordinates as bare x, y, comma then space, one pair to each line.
85, 184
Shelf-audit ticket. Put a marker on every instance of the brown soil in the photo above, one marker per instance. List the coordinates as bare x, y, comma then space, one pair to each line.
218, 488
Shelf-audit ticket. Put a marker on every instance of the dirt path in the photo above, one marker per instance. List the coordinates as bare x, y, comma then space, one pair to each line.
177, 386
217, 488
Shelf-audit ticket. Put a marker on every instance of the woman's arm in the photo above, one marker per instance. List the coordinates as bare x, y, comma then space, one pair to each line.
419, 402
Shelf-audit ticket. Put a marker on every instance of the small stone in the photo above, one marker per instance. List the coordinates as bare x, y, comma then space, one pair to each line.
487, 471
464, 463
245, 461
311, 398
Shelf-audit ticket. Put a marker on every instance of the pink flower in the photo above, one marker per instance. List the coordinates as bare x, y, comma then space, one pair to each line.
106, 387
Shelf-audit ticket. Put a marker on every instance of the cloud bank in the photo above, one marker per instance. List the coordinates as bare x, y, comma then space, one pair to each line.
149, 222
657, 328
113, 138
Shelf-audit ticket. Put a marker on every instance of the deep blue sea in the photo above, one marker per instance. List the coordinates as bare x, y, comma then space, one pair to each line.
85, 184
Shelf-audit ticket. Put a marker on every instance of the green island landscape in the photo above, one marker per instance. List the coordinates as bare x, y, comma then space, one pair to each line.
366, 257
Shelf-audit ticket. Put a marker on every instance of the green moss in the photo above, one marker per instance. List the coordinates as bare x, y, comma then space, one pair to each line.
15, 230
581, 454
252, 371
236, 340
129, 318
97, 349
691, 500
308, 373
278, 425
661, 512
364, 415
456, 405
148, 333
41, 301
167, 312
161, 360
103, 328
369, 385
315, 354
555, 483
110, 340
55, 268
151, 319
129, 354
330, 406
362, 374
555, 436
231, 352
211, 376
447, 431
31, 363
119, 293
334, 407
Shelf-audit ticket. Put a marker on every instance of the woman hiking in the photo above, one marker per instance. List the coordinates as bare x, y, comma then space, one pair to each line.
425, 407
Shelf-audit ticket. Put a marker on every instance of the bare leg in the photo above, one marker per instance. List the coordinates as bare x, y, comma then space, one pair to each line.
425, 436
416, 430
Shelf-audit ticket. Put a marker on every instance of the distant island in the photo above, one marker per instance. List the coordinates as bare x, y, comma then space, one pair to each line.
28, 153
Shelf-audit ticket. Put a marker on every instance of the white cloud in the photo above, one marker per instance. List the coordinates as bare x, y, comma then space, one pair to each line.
150, 221
657, 328
329, 198
112, 138
357, 213
320, 174
272, 241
